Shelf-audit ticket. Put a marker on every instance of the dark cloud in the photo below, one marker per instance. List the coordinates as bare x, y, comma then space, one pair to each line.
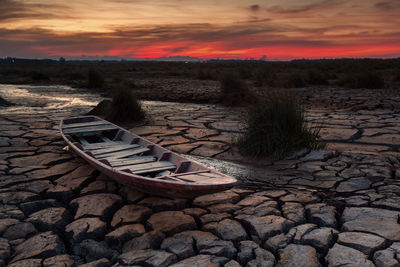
255, 8
304, 8
15, 10
388, 5
125, 42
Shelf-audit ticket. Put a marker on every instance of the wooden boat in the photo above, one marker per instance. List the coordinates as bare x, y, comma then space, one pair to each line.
133, 160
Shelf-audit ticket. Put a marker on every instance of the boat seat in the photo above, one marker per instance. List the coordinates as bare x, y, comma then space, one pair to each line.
94, 146
84, 124
91, 129
123, 154
131, 161
149, 167
114, 148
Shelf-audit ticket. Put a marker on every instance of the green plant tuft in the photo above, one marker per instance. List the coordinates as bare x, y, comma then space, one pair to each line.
125, 107
277, 125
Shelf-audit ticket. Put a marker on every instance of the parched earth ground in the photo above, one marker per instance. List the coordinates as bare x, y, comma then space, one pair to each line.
338, 207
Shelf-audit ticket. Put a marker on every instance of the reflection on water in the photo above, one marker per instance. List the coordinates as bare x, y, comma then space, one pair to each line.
33, 99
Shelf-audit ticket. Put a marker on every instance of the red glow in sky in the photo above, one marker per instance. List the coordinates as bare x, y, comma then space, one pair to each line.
279, 29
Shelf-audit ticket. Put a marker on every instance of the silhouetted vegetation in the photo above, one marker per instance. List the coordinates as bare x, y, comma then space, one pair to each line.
234, 91
124, 106
39, 76
95, 79
258, 75
365, 79
276, 125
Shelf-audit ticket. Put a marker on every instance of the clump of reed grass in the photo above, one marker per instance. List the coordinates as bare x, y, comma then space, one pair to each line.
276, 126
125, 107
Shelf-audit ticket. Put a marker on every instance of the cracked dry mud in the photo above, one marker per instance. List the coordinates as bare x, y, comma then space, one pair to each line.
315, 208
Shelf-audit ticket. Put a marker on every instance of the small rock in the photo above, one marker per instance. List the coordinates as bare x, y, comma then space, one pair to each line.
391, 202
266, 226
214, 217
354, 184
216, 198
278, 242
5, 223
162, 204
96, 205
364, 242
198, 261
297, 233
388, 257
151, 239
341, 256
54, 219
59, 260
85, 228
34, 206
314, 155
170, 222
232, 263
264, 209
27, 263
322, 214
224, 207
130, 214
43, 245
183, 244
19, 230
5, 249
147, 257
124, 233
298, 255
103, 262
294, 212
321, 238
373, 220
195, 212
230, 230
92, 250
299, 196
250, 254
252, 200
13, 198
131, 195
263, 258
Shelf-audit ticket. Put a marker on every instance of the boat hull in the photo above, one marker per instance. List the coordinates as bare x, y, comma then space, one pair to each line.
170, 186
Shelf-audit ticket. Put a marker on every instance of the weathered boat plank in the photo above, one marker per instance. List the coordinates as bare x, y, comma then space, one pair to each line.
91, 129
84, 124
114, 148
149, 167
132, 162
93, 146
123, 154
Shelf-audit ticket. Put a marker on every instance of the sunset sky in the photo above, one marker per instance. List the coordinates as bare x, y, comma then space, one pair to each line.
279, 29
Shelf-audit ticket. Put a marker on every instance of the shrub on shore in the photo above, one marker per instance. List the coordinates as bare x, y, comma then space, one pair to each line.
276, 126
124, 106
233, 90
365, 79
95, 79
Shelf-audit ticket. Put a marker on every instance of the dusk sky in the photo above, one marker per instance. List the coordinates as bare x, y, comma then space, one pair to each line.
279, 29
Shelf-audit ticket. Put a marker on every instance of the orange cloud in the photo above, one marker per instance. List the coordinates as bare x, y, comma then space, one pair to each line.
206, 29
